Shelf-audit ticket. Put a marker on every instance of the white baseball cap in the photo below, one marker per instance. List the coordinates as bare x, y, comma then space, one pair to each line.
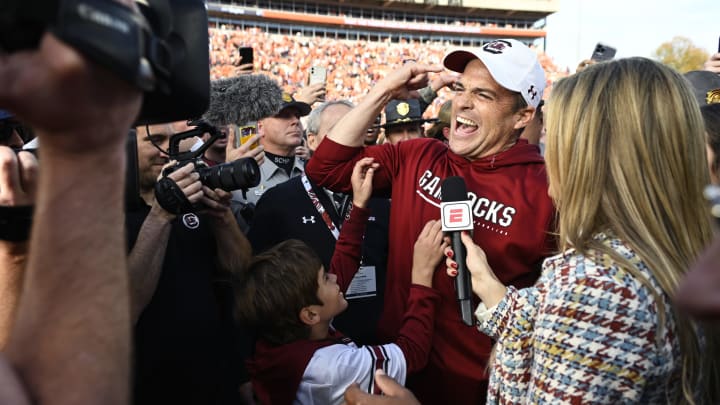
510, 62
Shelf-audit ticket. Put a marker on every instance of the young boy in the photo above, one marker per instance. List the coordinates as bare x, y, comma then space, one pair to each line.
289, 299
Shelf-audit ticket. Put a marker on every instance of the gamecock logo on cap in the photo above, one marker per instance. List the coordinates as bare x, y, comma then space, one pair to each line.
497, 46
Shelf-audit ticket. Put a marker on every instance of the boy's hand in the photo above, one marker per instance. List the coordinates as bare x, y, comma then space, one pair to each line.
361, 180
484, 282
429, 249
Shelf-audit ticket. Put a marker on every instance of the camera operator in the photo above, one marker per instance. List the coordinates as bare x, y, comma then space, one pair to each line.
186, 345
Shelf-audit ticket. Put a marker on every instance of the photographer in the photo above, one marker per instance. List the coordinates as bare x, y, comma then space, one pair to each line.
186, 345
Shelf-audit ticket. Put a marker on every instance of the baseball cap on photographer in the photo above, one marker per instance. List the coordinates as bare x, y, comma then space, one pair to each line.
511, 63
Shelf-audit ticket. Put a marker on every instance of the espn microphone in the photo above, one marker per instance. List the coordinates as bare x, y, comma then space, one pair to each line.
456, 216
241, 99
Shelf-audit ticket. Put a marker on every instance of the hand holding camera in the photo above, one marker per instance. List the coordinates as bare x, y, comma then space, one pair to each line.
240, 174
216, 202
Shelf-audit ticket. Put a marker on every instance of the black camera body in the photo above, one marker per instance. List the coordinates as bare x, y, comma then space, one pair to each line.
162, 50
240, 174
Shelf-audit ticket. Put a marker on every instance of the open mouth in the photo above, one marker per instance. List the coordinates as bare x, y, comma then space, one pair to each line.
465, 126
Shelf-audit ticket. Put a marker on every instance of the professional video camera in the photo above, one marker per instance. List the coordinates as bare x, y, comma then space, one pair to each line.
162, 50
240, 174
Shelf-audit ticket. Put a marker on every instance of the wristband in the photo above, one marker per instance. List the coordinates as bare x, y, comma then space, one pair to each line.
15, 223
171, 197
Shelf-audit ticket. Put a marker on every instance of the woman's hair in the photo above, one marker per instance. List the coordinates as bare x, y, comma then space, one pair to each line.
711, 115
626, 156
278, 284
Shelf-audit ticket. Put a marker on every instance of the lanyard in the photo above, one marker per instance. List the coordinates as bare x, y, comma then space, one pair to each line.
319, 207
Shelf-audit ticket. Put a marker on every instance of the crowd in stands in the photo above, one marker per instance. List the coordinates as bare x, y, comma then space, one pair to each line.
331, 269
352, 66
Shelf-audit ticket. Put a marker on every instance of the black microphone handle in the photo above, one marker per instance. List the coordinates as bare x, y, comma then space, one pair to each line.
463, 286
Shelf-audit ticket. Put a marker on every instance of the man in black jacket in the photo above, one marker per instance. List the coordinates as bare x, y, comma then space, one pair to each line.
302, 210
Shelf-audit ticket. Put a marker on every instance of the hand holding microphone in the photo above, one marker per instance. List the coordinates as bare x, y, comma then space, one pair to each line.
466, 261
456, 216
484, 282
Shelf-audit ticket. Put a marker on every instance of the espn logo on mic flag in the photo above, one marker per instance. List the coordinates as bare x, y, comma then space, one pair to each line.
456, 216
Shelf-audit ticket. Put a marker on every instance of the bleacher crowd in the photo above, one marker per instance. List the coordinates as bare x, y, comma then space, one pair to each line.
353, 66
331, 270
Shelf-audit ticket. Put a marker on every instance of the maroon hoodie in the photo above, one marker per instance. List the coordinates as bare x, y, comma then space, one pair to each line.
513, 218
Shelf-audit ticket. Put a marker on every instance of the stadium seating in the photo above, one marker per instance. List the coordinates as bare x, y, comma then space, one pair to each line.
353, 66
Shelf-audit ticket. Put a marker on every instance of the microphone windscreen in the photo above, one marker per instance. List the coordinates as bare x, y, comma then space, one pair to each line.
243, 98
453, 189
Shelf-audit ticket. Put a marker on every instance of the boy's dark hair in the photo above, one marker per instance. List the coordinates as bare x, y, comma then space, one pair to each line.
278, 284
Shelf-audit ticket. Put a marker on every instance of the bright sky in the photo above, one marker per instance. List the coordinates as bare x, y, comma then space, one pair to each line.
633, 27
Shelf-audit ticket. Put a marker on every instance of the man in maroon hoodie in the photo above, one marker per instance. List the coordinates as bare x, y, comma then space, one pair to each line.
496, 96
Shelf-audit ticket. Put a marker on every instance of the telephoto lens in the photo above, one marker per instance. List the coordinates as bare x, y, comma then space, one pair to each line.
240, 174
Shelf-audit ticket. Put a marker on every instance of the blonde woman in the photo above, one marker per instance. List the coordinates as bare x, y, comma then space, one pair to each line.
625, 160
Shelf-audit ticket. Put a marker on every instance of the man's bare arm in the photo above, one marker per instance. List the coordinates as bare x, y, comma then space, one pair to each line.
400, 84
13, 257
71, 339
148, 254
233, 248
146, 259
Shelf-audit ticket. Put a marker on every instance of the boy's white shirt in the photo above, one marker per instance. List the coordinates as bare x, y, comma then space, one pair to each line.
333, 368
